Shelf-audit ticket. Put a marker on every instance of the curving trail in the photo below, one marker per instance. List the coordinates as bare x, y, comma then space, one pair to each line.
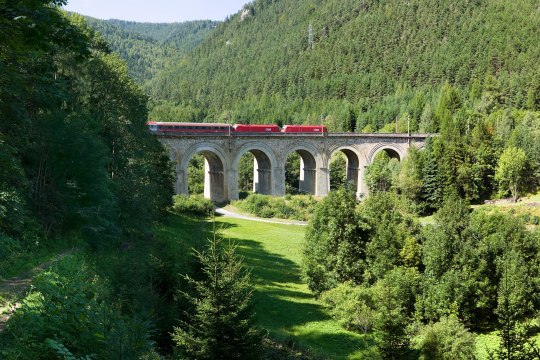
228, 213
16, 287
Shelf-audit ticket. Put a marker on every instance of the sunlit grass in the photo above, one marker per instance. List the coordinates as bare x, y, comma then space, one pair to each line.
284, 306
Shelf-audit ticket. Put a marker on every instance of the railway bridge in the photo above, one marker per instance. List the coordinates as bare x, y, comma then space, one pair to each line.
222, 153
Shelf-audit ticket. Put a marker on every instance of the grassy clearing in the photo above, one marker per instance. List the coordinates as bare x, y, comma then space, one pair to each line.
490, 341
527, 208
284, 306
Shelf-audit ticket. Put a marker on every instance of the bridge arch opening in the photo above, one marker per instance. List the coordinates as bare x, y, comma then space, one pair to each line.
383, 169
300, 172
391, 151
204, 171
344, 167
262, 165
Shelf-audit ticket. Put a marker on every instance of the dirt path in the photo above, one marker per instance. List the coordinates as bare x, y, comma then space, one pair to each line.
229, 213
16, 287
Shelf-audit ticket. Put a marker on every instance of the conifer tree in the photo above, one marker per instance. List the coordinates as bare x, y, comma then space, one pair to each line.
221, 326
513, 343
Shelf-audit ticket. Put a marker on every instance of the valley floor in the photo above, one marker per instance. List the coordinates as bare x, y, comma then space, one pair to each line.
284, 306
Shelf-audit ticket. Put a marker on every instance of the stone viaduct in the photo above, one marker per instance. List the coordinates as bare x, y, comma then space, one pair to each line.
222, 154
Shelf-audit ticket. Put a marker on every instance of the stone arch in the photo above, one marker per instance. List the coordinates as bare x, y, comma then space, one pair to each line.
215, 164
354, 174
263, 168
308, 166
393, 151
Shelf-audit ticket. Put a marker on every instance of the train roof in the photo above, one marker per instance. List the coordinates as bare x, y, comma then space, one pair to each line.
305, 126
185, 123
256, 125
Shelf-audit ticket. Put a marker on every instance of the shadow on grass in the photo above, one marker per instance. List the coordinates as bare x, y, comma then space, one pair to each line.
284, 307
288, 311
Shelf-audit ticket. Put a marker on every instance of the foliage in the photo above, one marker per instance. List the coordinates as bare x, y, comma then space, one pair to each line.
338, 172
292, 173
446, 339
395, 238
245, 172
196, 175
395, 295
76, 138
511, 171
192, 205
382, 174
349, 79
294, 207
221, 326
67, 309
352, 306
334, 249
512, 304
410, 176
463, 264
149, 48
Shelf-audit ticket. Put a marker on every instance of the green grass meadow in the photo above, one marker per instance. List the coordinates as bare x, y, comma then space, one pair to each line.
284, 306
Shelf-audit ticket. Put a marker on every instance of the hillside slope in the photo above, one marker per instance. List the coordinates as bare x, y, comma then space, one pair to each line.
368, 63
148, 48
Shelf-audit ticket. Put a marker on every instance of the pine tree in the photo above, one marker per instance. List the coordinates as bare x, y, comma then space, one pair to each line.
514, 342
432, 191
221, 326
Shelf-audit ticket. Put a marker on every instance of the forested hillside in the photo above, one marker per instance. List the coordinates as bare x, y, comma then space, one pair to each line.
149, 48
369, 63
78, 168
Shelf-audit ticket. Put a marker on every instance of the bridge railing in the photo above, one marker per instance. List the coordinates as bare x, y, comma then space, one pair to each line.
279, 134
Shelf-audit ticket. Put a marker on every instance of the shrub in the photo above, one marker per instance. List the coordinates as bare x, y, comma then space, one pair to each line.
351, 306
297, 207
67, 311
9, 249
193, 205
447, 339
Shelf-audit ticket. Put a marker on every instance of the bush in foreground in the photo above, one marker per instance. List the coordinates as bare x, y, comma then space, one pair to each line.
193, 205
446, 339
68, 314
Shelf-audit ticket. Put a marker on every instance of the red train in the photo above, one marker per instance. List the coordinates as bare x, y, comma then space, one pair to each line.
174, 127
256, 128
189, 128
318, 129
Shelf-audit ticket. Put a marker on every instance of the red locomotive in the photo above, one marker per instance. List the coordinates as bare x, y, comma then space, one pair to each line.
318, 129
225, 129
256, 128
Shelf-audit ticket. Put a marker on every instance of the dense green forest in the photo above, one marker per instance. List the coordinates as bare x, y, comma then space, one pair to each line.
370, 63
78, 169
80, 176
421, 289
149, 48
